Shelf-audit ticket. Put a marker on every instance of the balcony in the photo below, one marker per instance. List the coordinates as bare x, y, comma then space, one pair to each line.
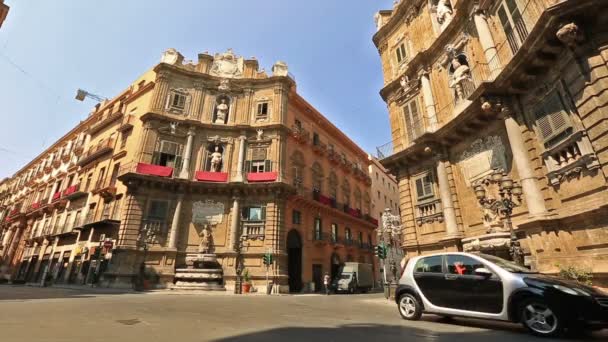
79, 148
154, 170
300, 134
320, 238
254, 177
97, 151
104, 122
56, 197
213, 177
109, 215
56, 162
104, 189
333, 156
127, 123
254, 230
319, 147
429, 212
73, 192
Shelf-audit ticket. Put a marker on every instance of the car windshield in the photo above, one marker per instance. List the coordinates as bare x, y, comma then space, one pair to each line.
505, 264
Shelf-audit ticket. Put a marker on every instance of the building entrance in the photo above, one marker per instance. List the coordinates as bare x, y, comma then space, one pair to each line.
294, 261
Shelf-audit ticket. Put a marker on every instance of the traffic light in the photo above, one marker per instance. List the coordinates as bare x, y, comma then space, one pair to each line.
380, 251
267, 258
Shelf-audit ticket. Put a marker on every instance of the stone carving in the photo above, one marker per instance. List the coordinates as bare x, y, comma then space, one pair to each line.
461, 73
378, 21
491, 218
488, 242
444, 13
173, 127
482, 157
224, 85
206, 242
260, 134
170, 56
216, 160
208, 212
570, 35
280, 69
221, 112
227, 65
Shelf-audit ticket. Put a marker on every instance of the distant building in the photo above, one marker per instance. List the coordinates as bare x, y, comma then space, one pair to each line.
482, 93
216, 144
3, 11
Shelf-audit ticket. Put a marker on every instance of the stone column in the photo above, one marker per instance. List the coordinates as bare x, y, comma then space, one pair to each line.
234, 224
429, 101
534, 198
185, 171
175, 222
160, 91
446, 200
487, 43
241, 160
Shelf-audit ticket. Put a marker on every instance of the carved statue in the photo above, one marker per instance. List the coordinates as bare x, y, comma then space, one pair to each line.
206, 240
570, 34
491, 217
260, 134
222, 112
444, 12
216, 160
461, 72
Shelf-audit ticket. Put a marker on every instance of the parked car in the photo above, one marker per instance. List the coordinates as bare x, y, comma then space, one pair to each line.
354, 277
488, 287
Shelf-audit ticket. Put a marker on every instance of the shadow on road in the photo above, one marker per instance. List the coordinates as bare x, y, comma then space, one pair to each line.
385, 333
24, 293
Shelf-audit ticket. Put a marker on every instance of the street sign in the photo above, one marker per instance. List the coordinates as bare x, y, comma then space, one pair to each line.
108, 244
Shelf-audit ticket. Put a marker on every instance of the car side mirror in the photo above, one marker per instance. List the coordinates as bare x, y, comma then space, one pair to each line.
482, 271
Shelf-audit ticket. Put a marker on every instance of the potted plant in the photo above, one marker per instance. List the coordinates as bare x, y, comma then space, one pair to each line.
246, 286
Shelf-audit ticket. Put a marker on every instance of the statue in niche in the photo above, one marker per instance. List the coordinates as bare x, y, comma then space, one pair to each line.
461, 72
206, 240
444, 12
216, 160
221, 112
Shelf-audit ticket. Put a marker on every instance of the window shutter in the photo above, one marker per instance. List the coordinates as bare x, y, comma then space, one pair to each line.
155, 158
267, 166
177, 164
263, 212
169, 100
248, 166
551, 118
428, 185
419, 188
188, 101
245, 213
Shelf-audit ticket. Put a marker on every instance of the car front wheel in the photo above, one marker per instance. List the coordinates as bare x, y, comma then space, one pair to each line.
540, 319
409, 307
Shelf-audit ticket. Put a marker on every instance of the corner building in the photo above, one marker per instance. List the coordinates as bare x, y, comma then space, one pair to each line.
216, 144
480, 91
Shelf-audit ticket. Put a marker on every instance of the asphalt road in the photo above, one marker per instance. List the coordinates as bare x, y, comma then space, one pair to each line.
50, 314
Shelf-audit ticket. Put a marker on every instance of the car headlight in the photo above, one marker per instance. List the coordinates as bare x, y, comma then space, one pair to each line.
571, 291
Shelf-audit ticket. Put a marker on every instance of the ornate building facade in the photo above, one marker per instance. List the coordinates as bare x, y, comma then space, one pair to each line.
213, 156
500, 99
3, 11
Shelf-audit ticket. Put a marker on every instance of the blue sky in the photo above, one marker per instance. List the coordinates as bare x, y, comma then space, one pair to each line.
48, 49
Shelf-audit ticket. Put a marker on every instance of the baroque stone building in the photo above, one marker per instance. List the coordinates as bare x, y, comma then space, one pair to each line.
3, 11
213, 156
500, 92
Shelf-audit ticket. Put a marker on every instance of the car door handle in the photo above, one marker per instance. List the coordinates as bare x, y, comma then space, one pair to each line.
450, 277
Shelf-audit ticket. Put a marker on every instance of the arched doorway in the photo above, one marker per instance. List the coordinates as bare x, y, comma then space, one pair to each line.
294, 261
335, 265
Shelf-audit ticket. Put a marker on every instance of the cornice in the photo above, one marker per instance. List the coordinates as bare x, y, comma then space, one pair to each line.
403, 10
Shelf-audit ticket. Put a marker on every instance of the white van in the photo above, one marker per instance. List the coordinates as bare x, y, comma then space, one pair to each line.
354, 277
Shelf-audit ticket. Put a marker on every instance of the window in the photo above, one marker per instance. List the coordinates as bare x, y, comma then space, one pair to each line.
360, 239
512, 23
334, 232
376, 175
158, 210
102, 173
254, 213
260, 166
114, 174
383, 181
552, 121
378, 194
424, 186
318, 229
177, 101
400, 53
462, 265
123, 140
262, 111
315, 139
296, 217
89, 180
429, 265
168, 153
413, 122
347, 234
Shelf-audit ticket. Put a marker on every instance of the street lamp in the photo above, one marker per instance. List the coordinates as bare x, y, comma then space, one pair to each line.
391, 231
510, 197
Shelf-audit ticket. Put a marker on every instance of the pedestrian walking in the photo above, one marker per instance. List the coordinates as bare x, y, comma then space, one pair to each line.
326, 281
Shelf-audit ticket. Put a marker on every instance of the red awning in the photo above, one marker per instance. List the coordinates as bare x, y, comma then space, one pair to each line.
154, 170
262, 177
324, 199
206, 176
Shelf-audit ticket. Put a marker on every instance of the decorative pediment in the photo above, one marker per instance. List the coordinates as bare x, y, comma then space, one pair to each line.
227, 65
